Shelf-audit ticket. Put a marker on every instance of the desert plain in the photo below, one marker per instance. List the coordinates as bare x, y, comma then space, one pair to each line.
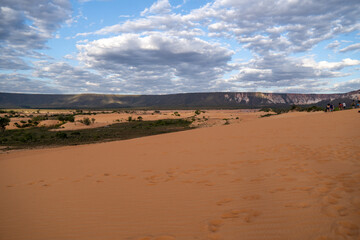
290, 176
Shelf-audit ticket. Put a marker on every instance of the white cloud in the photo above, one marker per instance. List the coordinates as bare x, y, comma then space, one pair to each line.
334, 44
352, 47
347, 86
159, 7
331, 65
158, 60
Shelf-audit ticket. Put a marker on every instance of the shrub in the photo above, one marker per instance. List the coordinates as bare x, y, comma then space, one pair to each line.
140, 118
177, 114
64, 118
130, 119
93, 120
86, 121
61, 135
197, 112
39, 118
4, 121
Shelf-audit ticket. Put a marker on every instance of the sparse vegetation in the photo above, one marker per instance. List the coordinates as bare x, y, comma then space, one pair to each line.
4, 121
42, 136
86, 121
197, 112
66, 118
177, 114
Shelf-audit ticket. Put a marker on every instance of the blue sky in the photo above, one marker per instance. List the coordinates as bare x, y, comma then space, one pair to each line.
178, 46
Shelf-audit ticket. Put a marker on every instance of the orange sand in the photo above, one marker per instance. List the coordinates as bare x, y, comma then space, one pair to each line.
213, 117
293, 176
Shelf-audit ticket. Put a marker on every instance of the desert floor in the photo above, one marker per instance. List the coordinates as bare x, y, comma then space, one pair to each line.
291, 176
207, 118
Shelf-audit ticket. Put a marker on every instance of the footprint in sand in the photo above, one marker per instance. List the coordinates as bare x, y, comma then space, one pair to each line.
215, 224
122, 175
252, 197
306, 189
246, 214
324, 238
258, 179
224, 201
236, 180
329, 200
297, 205
346, 229
334, 210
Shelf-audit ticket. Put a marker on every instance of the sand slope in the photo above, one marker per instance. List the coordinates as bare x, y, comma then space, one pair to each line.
294, 176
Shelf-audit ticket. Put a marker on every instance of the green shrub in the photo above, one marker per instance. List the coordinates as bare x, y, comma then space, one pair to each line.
66, 118
86, 121
61, 135
197, 112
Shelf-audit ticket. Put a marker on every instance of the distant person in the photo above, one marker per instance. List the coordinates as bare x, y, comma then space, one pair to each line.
340, 106
327, 108
331, 107
358, 104
344, 105
353, 104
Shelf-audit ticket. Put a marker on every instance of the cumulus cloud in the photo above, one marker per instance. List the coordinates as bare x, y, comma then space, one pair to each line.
167, 52
21, 83
347, 86
171, 23
44, 17
286, 73
159, 7
26, 25
158, 59
281, 26
67, 77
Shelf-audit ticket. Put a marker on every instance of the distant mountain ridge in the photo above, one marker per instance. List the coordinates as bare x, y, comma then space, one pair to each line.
172, 101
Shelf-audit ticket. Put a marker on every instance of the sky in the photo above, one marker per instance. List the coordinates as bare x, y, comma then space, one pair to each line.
179, 46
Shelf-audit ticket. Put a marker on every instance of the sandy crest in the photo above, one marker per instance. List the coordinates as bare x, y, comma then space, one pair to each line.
291, 177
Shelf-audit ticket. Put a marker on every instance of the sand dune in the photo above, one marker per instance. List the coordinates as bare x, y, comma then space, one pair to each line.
293, 176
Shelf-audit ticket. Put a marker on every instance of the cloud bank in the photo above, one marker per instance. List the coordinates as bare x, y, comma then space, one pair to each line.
225, 45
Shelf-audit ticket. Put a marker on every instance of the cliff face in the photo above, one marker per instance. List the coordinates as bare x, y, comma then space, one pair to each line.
288, 98
187, 100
